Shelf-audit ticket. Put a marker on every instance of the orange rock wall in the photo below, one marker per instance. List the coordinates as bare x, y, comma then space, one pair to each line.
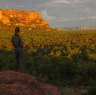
22, 18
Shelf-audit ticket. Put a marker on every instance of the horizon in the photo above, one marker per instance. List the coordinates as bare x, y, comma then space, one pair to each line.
58, 13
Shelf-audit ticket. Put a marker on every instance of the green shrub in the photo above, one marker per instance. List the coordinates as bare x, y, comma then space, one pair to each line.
92, 91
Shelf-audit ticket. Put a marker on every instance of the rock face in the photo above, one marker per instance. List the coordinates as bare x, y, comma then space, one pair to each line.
16, 83
22, 18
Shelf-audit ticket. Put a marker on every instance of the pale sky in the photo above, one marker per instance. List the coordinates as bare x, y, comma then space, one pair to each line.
59, 13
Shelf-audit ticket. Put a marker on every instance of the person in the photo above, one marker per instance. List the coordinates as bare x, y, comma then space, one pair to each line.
18, 48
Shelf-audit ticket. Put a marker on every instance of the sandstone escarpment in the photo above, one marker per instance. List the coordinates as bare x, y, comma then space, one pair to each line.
22, 18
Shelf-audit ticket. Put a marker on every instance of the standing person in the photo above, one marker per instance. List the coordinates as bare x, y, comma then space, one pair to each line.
18, 48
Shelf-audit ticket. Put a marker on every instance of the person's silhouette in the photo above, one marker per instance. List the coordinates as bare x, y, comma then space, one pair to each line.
18, 48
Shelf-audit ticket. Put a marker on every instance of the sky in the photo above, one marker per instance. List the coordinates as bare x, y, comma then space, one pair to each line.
58, 13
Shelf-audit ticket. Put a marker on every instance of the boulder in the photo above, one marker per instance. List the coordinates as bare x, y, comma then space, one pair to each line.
16, 83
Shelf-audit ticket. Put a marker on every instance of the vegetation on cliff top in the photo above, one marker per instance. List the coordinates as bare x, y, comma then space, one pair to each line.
54, 56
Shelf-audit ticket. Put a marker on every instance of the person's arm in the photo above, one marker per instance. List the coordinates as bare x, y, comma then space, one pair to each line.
14, 42
21, 42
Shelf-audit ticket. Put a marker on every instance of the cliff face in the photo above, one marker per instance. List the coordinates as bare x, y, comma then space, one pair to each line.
22, 18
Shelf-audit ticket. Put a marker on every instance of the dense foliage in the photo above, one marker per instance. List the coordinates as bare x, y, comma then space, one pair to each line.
58, 57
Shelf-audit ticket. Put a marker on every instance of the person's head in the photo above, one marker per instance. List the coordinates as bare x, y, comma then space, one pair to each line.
17, 30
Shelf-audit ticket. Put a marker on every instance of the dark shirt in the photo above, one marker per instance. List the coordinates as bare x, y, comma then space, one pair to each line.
17, 43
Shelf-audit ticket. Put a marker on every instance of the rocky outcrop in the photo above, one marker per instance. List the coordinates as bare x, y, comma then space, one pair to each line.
16, 83
22, 18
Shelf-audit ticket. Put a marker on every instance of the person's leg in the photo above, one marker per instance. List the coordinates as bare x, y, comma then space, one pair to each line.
17, 60
21, 66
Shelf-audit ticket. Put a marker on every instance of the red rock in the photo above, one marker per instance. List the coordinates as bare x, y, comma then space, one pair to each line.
16, 83
22, 18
